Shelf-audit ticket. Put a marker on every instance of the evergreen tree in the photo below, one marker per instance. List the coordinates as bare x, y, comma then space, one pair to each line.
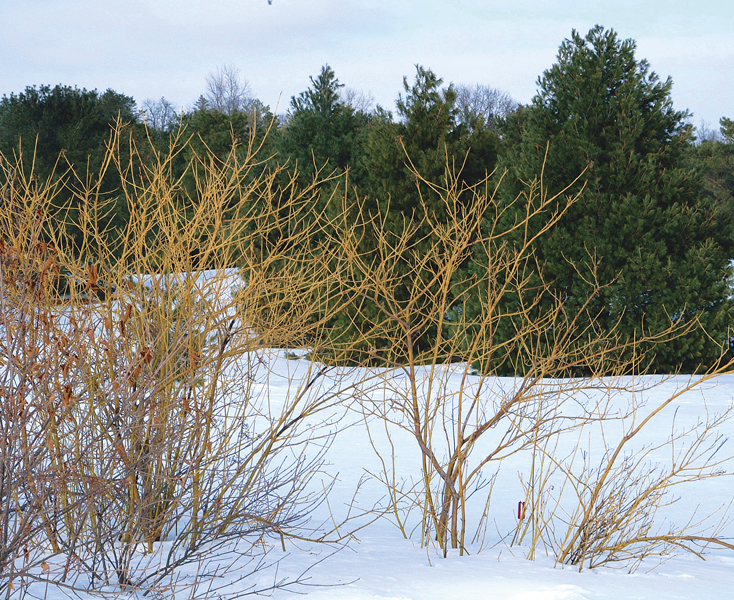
429, 136
51, 121
216, 132
427, 142
727, 129
63, 131
213, 134
323, 131
323, 142
714, 159
662, 250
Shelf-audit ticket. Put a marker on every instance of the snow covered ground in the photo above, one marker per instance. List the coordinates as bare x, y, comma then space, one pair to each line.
380, 564
384, 567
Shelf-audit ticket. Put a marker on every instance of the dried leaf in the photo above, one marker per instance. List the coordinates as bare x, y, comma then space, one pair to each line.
146, 355
93, 280
66, 396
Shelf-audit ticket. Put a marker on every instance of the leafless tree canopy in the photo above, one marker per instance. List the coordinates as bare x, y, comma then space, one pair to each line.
705, 133
359, 100
489, 102
227, 91
160, 114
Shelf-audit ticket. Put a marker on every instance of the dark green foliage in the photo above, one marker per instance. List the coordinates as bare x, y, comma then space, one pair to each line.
212, 136
715, 161
323, 133
52, 121
63, 131
643, 238
727, 129
430, 139
215, 132
322, 146
650, 240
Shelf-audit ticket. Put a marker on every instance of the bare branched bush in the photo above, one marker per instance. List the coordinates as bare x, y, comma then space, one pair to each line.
440, 362
144, 448
591, 511
29, 410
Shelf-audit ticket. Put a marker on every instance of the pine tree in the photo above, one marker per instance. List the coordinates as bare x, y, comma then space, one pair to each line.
323, 133
642, 229
427, 142
431, 138
63, 132
727, 129
48, 122
213, 134
714, 160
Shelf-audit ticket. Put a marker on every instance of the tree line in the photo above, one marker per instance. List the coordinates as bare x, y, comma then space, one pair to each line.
648, 240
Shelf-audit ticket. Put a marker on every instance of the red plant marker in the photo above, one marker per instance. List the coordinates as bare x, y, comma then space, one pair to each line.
520, 511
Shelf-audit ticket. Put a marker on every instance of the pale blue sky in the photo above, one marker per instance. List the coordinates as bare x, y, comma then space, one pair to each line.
154, 48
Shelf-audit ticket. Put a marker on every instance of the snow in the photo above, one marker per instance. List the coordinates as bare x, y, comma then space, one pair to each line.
379, 563
383, 566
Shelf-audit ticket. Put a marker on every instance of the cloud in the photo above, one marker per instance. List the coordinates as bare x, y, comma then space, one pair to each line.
154, 48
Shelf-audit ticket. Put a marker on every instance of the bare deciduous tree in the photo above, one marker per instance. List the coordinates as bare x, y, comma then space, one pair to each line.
359, 100
160, 114
705, 133
227, 91
488, 102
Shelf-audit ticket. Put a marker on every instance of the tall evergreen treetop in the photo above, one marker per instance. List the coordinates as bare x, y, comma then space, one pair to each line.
323, 95
427, 135
662, 249
323, 131
616, 114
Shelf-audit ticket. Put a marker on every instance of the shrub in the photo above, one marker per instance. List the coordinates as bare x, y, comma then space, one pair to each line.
141, 438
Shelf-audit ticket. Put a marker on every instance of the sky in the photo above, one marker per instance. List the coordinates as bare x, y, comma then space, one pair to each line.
149, 49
